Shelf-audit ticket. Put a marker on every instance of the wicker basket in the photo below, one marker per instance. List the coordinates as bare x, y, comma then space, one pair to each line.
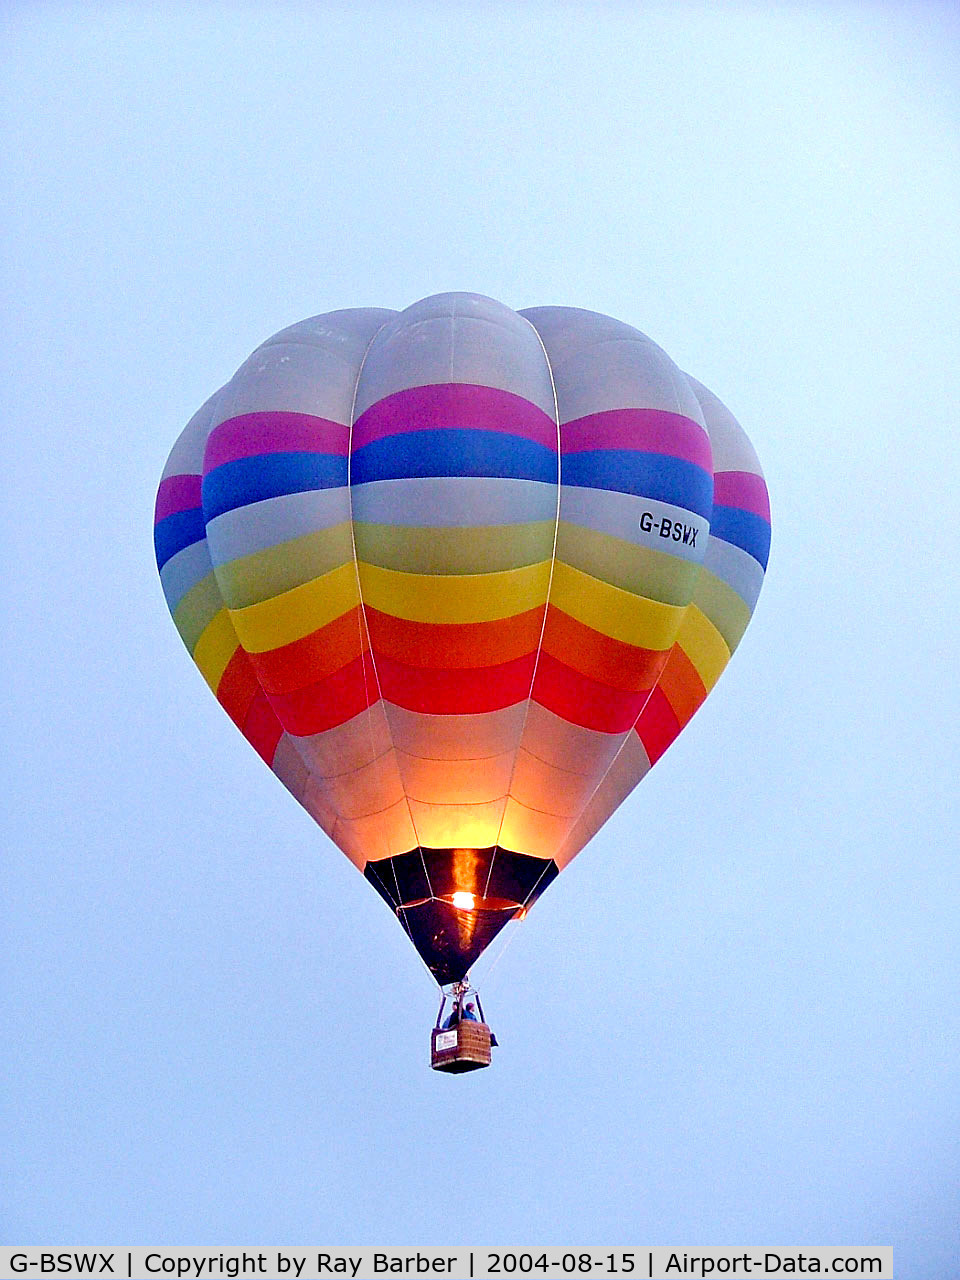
465, 1047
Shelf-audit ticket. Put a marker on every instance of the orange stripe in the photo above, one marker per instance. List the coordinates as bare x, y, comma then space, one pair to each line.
681, 684
446, 645
599, 657
304, 662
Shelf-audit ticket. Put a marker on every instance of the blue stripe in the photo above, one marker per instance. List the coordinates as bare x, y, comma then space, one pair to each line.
453, 451
648, 475
749, 532
269, 475
175, 532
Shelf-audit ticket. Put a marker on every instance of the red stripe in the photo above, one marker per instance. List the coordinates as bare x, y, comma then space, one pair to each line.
330, 702
449, 693
261, 728
580, 700
237, 688
454, 404
251, 434
657, 726
641, 430
741, 489
176, 493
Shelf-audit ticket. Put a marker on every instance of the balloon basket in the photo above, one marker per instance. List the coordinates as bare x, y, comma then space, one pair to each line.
465, 1047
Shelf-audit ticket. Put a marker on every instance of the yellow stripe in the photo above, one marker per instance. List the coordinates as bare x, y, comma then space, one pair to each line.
704, 646
296, 613
215, 648
470, 597
614, 612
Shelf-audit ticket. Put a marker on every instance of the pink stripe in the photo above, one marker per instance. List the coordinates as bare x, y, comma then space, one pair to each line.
454, 404
741, 489
176, 493
640, 430
278, 431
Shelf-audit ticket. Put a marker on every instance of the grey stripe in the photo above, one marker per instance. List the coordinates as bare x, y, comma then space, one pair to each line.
600, 363
186, 456
619, 514
183, 571
290, 768
310, 367
456, 337
736, 568
453, 501
732, 451
260, 525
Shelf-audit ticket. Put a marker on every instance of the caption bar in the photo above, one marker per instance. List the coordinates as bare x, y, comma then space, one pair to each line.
540, 1262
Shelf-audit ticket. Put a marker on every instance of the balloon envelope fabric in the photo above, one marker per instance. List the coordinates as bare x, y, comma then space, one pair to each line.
460, 575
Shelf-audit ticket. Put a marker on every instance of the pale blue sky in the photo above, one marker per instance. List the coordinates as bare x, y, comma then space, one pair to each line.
735, 1018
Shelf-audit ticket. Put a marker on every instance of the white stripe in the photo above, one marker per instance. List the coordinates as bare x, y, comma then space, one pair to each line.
183, 571
453, 501
259, 525
620, 514
455, 337
736, 567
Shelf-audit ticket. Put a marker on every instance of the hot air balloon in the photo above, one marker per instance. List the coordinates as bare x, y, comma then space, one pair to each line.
460, 575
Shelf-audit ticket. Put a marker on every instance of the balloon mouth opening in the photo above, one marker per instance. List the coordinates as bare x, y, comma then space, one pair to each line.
467, 903
452, 902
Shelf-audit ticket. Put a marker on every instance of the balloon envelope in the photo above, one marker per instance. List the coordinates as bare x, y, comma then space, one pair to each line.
460, 575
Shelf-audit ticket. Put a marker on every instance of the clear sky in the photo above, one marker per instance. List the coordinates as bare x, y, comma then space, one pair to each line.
734, 1019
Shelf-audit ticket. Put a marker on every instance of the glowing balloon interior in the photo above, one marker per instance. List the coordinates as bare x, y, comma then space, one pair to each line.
461, 575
